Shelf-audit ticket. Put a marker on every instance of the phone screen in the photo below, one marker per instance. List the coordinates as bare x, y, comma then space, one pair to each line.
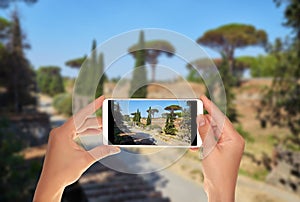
152, 122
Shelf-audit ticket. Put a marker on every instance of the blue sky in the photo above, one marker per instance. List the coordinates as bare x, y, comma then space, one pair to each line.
59, 30
128, 107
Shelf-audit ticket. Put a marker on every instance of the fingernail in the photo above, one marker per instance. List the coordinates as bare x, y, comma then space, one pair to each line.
114, 150
200, 121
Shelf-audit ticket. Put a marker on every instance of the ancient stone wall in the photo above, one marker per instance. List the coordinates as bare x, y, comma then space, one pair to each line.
286, 170
33, 129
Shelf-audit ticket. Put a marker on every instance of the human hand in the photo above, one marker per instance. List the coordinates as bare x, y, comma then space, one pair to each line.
65, 161
220, 167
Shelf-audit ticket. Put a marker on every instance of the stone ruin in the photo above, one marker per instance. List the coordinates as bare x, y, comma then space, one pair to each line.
285, 170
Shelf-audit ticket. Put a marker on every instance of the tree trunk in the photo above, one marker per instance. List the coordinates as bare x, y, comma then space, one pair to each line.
15, 87
231, 62
153, 72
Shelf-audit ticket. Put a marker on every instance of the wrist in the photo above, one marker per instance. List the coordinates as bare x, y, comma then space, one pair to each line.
219, 193
46, 190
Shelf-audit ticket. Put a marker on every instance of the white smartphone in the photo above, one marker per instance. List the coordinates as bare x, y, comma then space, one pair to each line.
151, 122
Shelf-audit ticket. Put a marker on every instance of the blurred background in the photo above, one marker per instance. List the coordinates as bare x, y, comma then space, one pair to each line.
254, 44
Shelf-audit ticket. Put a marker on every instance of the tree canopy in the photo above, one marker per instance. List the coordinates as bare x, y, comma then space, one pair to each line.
155, 45
76, 63
260, 66
227, 38
152, 111
49, 80
6, 3
154, 49
173, 108
291, 13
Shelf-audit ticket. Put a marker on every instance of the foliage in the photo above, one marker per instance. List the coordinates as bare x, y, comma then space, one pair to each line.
91, 73
259, 174
152, 111
153, 49
17, 77
246, 135
4, 28
291, 13
198, 66
194, 76
118, 125
281, 106
76, 63
169, 126
115, 79
137, 116
14, 179
260, 66
227, 38
149, 116
228, 82
49, 80
173, 108
126, 118
6, 3
63, 103
138, 87
103, 78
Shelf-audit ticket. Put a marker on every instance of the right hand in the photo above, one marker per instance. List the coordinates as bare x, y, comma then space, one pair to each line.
221, 165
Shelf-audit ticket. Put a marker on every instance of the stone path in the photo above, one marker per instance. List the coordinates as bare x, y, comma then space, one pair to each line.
100, 183
45, 105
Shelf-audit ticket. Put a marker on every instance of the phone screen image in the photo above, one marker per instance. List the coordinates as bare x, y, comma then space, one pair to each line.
152, 122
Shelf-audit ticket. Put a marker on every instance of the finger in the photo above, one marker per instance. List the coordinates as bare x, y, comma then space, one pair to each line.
194, 149
211, 107
103, 151
90, 131
208, 132
89, 109
217, 115
94, 122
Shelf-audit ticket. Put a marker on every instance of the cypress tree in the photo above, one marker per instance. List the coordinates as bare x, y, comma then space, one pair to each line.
138, 88
21, 78
103, 77
149, 117
229, 82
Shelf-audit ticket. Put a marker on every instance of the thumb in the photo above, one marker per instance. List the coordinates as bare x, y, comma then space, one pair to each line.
203, 123
103, 151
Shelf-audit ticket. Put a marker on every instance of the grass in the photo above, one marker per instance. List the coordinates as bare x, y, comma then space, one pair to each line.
259, 174
197, 174
246, 135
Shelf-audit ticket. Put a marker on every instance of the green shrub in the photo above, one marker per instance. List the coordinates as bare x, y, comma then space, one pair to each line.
246, 135
16, 174
49, 80
63, 103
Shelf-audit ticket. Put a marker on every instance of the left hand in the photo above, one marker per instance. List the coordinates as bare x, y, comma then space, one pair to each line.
65, 161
